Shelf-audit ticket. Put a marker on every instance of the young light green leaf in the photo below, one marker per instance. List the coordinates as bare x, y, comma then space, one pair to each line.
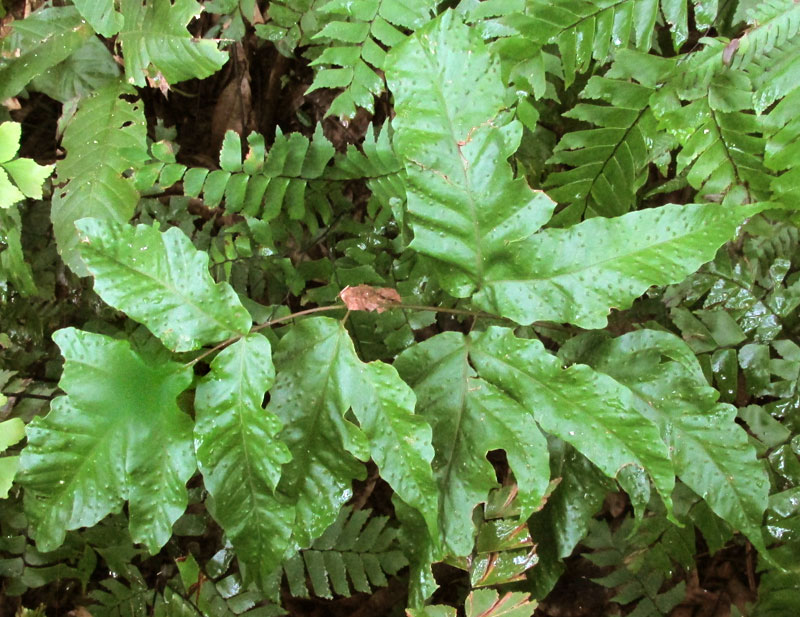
28, 176
160, 279
470, 417
106, 137
464, 205
711, 452
239, 456
11, 431
117, 435
585, 408
155, 33
577, 274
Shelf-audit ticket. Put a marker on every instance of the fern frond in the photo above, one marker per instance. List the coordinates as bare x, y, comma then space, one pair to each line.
105, 138
609, 163
774, 23
377, 164
739, 296
38, 43
643, 562
723, 148
263, 185
355, 547
586, 30
116, 599
782, 150
356, 42
774, 73
292, 23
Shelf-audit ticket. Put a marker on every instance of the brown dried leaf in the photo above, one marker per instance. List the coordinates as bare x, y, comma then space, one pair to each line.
368, 298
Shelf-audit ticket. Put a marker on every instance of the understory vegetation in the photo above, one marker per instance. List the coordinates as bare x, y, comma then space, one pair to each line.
400, 307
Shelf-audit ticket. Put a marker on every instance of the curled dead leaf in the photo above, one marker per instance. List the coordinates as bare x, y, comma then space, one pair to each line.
368, 298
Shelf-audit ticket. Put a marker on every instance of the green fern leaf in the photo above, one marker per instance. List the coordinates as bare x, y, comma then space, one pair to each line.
773, 24
38, 43
609, 162
117, 435
641, 562
491, 246
464, 206
267, 184
587, 31
378, 164
238, 454
292, 23
13, 266
564, 520
722, 147
617, 438
483, 603
469, 417
357, 546
312, 405
782, 150
357, 47
161, 280
106, 137
564, 275
156, 34
711, 452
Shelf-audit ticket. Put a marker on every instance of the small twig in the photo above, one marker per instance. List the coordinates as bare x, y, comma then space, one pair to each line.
43, 397
339, 307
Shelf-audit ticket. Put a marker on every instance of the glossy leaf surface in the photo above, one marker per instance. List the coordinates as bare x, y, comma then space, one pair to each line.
583, 407
238, 454
155, 33
470, 417
465, 207
569, 275
161, 280
106, 137
711, 452
117, 435
319, 379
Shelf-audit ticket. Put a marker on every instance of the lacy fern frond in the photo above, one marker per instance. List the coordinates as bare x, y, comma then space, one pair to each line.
609, 163
355, 44
782, 150
773, 23
722, 146
643, 562
377, 164
356, 547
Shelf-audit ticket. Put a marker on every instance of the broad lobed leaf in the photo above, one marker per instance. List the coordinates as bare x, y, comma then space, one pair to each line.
464, 205
161, 280
711, 452
578, 274
239, 455
117, 435
106, 137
